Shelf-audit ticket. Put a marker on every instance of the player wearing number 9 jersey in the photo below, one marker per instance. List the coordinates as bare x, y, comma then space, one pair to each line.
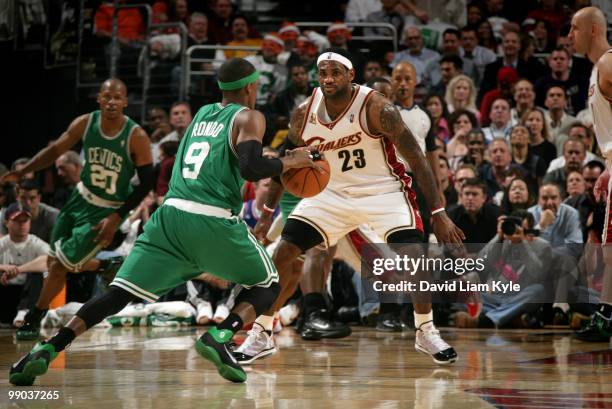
114, 147
197, 228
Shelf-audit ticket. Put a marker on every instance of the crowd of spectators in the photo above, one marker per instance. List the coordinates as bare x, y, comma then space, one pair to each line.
505, 92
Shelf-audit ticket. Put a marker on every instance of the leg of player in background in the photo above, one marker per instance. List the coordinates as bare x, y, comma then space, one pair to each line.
318, 321
599, 329
52, 286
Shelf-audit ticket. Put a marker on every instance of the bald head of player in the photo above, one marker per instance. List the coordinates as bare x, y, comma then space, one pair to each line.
238, 80
588, 32
112, 98
403, 82
336, 74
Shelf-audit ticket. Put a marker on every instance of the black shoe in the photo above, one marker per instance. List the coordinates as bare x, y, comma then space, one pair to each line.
348, 315
389, 322
599, 329
30, 330
318, 324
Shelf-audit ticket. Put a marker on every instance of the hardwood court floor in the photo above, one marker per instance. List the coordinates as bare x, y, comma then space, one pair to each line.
159, 368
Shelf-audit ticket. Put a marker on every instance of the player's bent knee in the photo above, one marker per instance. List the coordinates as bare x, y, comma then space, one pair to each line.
105, 305
261, 298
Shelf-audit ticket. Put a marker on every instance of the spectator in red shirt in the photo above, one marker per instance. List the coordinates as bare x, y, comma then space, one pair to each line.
130, 25
167, 154
550, 12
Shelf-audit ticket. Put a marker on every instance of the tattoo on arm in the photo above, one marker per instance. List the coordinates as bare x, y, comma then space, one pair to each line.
396, 131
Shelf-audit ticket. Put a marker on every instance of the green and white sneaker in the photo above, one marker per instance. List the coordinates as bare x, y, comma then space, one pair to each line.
214, 347
35, 363
599, 329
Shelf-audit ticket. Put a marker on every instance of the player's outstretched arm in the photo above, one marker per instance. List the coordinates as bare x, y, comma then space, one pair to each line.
384, 119
250, 126
46, 157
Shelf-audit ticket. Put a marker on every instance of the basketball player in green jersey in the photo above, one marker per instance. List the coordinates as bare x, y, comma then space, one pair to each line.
115, 147
197, 228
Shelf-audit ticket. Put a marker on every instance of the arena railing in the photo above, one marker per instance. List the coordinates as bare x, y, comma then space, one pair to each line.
144, 61
188, 60
392, 37
115, 39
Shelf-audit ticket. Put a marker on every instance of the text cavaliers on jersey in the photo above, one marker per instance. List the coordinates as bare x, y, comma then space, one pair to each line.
360, 163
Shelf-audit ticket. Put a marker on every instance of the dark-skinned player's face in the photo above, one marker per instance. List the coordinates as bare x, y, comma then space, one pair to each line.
112, 99
334, 78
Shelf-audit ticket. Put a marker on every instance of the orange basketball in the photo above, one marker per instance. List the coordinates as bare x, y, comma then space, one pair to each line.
307, 182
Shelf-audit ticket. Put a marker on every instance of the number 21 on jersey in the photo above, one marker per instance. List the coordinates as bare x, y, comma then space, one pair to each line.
194, 158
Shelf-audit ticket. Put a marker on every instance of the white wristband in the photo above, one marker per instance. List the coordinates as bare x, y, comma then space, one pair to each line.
438, 210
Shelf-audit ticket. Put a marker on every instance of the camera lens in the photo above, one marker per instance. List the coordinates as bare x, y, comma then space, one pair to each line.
508, 227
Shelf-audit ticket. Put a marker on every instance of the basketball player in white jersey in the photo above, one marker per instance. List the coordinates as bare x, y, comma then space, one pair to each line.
588, 35
358, 130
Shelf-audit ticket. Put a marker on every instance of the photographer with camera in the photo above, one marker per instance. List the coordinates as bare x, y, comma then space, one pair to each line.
516, 254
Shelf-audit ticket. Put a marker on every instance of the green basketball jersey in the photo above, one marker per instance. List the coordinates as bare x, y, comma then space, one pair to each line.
108, 166
206, 168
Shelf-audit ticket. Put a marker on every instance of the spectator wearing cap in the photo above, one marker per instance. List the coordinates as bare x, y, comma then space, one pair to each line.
339, 35
558, 120
274, 74
43, 216
20, 292
308, 51
561, 75
531, 69
289, 33
506, 79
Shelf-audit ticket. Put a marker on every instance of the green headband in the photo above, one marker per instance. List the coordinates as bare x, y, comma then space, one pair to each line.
230, 86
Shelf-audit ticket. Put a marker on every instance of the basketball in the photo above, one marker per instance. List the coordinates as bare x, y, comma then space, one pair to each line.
307, 182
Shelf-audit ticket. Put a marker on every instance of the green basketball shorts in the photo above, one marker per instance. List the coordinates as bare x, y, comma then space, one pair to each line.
179, 245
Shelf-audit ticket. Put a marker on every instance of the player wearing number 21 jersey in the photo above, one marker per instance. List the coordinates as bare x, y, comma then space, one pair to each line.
114, 148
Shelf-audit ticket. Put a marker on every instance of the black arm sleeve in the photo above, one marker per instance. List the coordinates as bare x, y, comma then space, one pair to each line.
147, 181
253, 166
287, 145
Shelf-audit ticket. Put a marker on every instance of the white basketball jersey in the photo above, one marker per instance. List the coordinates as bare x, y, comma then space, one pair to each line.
601, 109
361, 164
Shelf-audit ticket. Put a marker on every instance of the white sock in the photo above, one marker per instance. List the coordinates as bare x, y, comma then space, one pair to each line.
265, 321
420, 319
563, 306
